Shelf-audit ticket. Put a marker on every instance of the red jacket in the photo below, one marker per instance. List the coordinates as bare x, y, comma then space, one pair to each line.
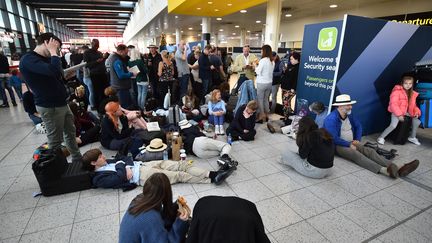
399, 105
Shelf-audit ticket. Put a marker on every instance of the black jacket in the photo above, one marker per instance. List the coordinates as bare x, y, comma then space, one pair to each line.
91, 56
226, 219
289, 77
114, 179
108, 132
189, 135
318, 152
4, 64
240, 123
153, 68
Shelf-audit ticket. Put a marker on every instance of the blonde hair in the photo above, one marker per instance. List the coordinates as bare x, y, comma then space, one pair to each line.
80, 90
165, 54
253, 105
213, 98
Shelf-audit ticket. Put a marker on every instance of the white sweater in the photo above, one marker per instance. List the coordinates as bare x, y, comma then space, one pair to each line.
264, 71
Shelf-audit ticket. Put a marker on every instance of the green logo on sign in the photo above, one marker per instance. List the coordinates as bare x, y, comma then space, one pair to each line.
327, 39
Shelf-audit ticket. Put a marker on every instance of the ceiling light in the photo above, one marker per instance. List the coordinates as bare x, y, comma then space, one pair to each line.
190, 28
256, 34
165, 22
220, 29
126, 3
216, 10
201, 24
157, 28
229, 4
176, 17
243, 11
234, 33
198, 8
288, 15
237, 26
210, 2
333, 6
199, 34
258, 21
218, 19
248, 31
181, 31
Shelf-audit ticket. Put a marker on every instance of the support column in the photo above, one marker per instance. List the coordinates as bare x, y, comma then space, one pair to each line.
273, 16
216, 39
242, 37
178, 35
206, 28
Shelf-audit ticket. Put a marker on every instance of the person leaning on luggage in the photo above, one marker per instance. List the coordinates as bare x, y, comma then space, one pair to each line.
42, 70
403, 103
346, 131
125, 173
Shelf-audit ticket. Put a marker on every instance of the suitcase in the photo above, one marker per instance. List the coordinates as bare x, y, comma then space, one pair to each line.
400, 134
426, 114
174, 115
51, 183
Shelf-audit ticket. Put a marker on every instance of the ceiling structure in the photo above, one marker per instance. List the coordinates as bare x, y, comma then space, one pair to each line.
253, 20
107, 18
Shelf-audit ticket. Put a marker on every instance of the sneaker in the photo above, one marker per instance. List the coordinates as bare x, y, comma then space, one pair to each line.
222, 175
4, 106
414, 141
270, 128
392, 170
221, 130
225, 162
381, 140
408, 168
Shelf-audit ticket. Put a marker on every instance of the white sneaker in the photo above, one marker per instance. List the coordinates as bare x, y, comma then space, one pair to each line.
381, 140
414, 141
221, 130
217, 129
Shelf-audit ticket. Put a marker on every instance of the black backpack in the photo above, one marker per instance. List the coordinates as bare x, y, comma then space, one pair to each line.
401, 133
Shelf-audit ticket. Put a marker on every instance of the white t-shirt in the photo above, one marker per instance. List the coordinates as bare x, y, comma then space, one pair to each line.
264, 71
346, 130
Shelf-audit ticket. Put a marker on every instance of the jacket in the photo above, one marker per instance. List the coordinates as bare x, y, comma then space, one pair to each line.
108, 132
247, 93
289, 78
204, 67
91, 56
240, 62
111, 179
240, 123
264, 71
333, 125
399, 104
317, 151
120, 77
189, 135
142, 75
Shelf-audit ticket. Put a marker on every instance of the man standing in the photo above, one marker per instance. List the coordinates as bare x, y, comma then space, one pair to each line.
205, 72
182, 67
42, 70
98, 76
243, 63
346, 131
153, 66
120, 76
4, 76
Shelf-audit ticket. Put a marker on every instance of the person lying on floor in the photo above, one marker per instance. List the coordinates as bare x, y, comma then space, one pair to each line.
316, 150
195, 142
243, 124
346, 131
126, 173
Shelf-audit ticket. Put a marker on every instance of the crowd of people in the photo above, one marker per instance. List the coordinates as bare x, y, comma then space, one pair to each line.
118, 94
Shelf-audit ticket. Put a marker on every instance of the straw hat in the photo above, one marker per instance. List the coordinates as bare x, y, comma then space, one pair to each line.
344, 99
184, 124
156, 145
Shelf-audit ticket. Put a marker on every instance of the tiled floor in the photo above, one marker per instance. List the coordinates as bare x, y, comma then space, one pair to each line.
352, 205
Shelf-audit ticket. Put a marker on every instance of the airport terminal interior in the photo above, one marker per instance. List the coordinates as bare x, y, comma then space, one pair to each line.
351, 203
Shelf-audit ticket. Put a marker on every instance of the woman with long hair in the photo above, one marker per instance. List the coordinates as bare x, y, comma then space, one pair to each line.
264, 79
115, 131
166, 75
217, 110
316, 150
152, 217
141, 78
289, 84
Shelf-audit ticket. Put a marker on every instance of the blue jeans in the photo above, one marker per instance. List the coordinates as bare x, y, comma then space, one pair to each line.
18, 90
124, 98
142, 94
216, 120
206, 83
88, 83
36, 120
184, 82
3, 87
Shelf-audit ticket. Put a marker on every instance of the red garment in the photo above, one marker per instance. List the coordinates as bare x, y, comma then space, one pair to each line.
399, 105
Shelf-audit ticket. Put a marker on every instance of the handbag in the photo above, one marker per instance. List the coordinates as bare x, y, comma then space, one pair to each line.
50, 165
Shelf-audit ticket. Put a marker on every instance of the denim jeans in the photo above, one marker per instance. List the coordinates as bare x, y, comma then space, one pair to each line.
88, 82
184, 82
3, 87
274, 91
216, 120
18, 90
124, 98
59, 123
142, 94
36, 120
206, 83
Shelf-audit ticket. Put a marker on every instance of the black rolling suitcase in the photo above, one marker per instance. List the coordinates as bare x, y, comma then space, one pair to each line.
401, 132
56, 176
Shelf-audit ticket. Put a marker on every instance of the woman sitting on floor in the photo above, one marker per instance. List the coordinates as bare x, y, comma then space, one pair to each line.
243, 124
316, 150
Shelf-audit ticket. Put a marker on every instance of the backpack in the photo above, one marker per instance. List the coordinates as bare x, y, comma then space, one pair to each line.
401, 133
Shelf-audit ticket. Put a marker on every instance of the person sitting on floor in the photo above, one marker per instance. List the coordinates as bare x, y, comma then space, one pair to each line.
316, 150
217, 110
195, 142
346, 131
191, 106
152, 217
243, 124
320, 111
125, 173
86, 130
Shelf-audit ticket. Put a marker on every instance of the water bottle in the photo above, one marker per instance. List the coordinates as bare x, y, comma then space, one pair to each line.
229, 139
165, 154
